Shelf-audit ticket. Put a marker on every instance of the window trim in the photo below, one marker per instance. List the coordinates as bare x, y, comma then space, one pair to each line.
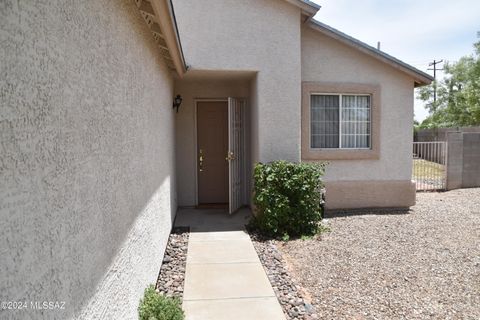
328, 88
340, 106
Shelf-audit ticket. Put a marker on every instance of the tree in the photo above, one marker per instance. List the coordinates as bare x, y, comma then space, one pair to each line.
458, 94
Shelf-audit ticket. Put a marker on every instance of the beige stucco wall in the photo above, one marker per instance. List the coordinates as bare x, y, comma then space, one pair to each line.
252, 35
327, 60
268, 38
185, 121
87, 190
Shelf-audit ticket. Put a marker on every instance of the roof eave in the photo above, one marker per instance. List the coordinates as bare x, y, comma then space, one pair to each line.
420, 78
308, 8
164, 10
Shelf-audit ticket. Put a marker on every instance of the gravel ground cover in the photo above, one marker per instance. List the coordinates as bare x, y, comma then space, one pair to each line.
172, 272
292, 298
420, 264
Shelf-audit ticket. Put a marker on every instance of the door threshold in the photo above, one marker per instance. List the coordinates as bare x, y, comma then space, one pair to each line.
212, 206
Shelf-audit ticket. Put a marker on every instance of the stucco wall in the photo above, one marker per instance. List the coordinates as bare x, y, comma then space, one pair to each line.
87, 189
327, 60
252, 35
186, 155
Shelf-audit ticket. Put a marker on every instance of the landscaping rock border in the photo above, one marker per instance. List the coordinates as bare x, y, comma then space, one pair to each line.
171, 278
289, 294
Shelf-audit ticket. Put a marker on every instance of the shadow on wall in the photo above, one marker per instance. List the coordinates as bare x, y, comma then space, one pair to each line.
362, 212
137, 261
86, 159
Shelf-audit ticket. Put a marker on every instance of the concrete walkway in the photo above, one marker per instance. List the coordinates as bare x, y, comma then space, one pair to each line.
224, 277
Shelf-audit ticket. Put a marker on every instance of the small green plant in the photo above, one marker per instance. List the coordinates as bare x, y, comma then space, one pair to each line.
324, 229
287, 198
155, 306
305, 237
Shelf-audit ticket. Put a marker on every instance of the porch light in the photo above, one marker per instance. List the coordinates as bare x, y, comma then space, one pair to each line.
177, 101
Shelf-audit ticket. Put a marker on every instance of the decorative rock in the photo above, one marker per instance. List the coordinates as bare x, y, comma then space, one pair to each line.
288, 293
420, 264
172, 272
298, 302
308, 308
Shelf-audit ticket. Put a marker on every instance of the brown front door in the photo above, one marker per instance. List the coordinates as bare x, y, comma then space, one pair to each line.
212, 147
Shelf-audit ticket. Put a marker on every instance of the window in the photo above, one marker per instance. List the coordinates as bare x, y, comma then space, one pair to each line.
340, 121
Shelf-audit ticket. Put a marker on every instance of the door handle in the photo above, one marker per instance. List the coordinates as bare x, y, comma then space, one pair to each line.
200, 160
230, 156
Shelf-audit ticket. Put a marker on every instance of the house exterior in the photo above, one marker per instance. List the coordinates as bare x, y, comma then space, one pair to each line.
280, 59
94, 161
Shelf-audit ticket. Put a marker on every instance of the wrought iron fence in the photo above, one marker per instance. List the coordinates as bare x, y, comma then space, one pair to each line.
430, 165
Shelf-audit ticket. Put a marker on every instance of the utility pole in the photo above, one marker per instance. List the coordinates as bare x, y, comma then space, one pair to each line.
434, 64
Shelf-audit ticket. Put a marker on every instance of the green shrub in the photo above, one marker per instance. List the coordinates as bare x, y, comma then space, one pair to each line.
155, 306
288, 199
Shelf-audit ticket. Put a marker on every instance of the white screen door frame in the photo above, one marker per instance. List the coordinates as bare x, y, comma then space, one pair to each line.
236, 153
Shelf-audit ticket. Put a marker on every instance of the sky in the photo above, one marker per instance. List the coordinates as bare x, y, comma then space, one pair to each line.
414, 31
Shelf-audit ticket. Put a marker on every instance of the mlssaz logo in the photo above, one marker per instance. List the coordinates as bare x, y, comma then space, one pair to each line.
47, 305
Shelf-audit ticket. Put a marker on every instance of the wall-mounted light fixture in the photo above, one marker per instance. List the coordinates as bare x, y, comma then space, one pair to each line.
177, 101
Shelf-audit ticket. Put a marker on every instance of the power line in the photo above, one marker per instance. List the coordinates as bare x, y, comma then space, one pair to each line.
434, 64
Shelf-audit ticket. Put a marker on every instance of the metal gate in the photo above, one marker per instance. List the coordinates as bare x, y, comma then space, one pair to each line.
430, 165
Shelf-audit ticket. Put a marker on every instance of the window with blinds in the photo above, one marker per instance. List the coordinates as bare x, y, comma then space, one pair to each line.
340, 121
